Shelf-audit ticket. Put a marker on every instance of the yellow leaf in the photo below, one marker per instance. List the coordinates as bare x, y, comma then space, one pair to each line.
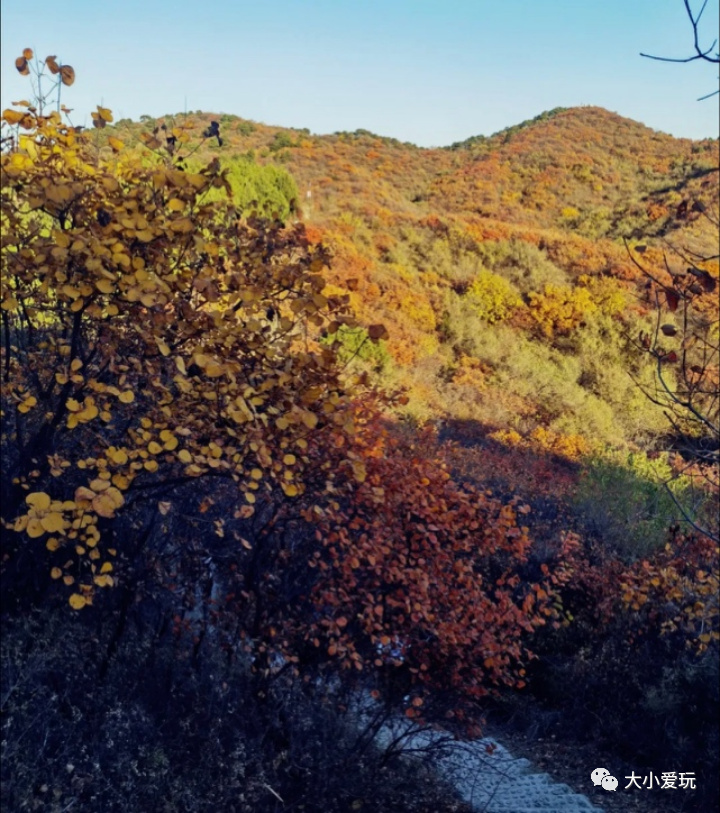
83, 494
52, 544
290, 489
12, 116
106, 568
104, 506
118, 456
99, 484
53, 522
34, 528
170, 443
154, 447
121, 481
309, 419
183, 226
289, 459
55, 573
256, 474
184, 456
175, 205
213, 370
115, 143
162, 347
39, 500
116, 496
68, 580
88, 414
105, 286
126, 397
76, 601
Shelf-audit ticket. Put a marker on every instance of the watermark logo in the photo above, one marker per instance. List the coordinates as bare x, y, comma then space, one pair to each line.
668, 780
598, 775
602, 777
609, 782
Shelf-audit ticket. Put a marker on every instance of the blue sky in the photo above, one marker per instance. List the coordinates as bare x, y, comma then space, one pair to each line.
427, 71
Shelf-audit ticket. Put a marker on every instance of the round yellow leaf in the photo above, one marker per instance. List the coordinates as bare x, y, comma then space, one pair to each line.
99, 485
117, 456
309, 419
88, 414
39, 500
34, 528
115, 496
76, 601
126, 397
84, 494
121, 481
104, 506
53, 522
55, 573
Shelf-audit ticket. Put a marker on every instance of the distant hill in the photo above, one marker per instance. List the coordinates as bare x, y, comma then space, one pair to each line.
470, 253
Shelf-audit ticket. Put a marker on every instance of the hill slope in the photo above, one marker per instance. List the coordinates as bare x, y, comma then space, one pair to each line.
498, 265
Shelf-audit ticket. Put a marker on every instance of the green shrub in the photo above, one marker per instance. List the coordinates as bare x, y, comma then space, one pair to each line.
624, 502
266, 190
523, 264
354, 343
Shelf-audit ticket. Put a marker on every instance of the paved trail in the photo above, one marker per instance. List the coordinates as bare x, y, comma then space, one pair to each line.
487, 776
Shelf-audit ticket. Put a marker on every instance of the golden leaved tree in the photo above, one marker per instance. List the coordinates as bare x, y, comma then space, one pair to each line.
149, 337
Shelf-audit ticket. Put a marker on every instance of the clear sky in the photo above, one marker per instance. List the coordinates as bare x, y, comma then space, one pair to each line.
427, 71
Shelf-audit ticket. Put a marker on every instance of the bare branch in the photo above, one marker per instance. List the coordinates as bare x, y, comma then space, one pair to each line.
709, 54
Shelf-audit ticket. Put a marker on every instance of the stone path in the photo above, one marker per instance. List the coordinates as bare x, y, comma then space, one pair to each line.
485, 774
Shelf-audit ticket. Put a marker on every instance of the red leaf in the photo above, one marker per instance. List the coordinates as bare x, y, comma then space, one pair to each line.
673, 299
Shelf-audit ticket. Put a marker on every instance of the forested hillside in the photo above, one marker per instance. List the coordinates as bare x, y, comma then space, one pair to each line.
287, 417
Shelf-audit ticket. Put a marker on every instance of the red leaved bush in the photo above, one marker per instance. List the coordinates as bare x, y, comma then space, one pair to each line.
421, 580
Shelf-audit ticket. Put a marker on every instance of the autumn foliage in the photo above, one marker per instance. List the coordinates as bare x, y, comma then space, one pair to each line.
154, 339
197, 427
148, 336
